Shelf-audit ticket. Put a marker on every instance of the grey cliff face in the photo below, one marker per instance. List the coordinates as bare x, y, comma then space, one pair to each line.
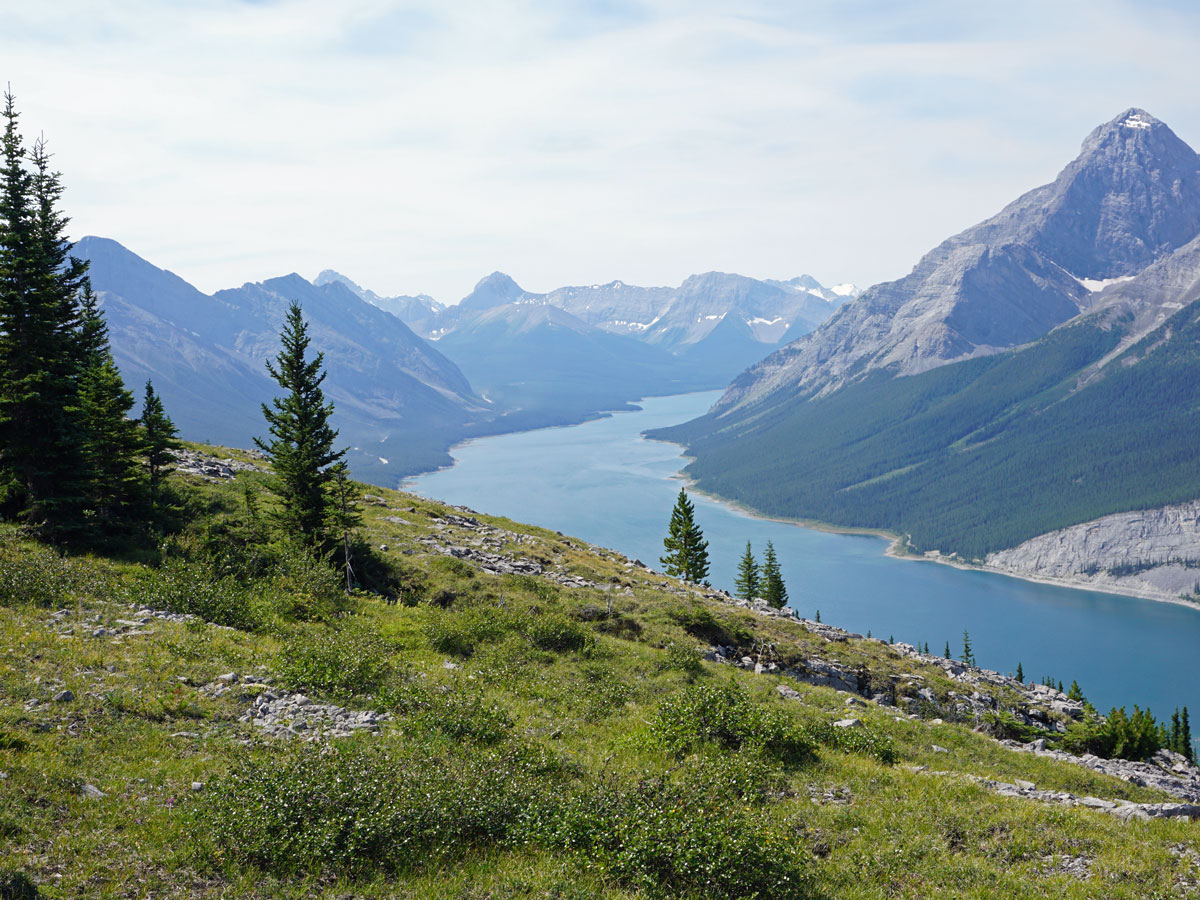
1130, 198
1146, 552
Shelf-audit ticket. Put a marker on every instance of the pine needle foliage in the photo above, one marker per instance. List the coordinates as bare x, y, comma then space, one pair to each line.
774, 590
748, 585
301, 444
687, 551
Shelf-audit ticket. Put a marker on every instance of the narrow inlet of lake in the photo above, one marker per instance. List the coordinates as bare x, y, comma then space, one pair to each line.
603, 482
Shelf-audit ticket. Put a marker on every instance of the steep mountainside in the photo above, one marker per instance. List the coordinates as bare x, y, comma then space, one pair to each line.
1129, 198
395, 394
1096, 417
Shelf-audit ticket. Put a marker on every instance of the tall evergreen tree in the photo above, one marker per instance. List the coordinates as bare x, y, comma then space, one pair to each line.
687, 551
159, 439
301, 444
42, 461
774, 590
747, 583
968, 655
111, 440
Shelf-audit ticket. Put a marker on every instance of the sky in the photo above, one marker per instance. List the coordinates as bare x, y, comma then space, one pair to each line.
416, 147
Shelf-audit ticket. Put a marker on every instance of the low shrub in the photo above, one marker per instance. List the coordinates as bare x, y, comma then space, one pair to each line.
551, 631
41, 576
16, 886
687, 660
459, 632
678, 838
1004, 726
463, 716
360, 810
538, 587
863, 741
603, 692
304, 587
701, 624
341, 661
725, 716
189, 587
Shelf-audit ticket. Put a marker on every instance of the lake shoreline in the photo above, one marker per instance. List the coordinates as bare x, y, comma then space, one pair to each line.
896, 548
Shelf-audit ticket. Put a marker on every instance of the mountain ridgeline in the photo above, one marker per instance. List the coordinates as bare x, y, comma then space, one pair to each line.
410, 377
1036, 371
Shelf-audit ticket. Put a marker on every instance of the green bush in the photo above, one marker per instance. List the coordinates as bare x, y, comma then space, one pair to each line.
41, 576
341, 661
189, 587
539, 587
459, 632
726, 716
701, 624
304, 587
360, 810
675, 838
863, 741
684, 659
551, 631
453, 713
602, 693
1005, 726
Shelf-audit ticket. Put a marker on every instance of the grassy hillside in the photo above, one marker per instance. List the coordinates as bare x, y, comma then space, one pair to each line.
551, 732
975, 456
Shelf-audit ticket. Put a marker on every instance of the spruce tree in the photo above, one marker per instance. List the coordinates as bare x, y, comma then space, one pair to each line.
158, 440
43, 470
747, 585
774, 590
946, 652
301, 444
687, 551
111, 440
968, 656
1020, 672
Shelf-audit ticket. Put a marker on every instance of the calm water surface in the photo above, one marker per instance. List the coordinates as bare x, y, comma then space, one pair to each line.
601, 481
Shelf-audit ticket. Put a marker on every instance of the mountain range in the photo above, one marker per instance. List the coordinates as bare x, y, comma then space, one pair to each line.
503, 359
1036, 371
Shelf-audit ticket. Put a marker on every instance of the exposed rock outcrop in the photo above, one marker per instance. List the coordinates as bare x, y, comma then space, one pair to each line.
1150, 553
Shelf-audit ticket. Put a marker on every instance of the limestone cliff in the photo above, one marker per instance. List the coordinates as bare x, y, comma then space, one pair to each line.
1150, 553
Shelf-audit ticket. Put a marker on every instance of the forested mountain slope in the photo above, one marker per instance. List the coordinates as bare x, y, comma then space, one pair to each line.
978, 455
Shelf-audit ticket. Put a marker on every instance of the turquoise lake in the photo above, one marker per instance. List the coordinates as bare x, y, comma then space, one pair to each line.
603, 482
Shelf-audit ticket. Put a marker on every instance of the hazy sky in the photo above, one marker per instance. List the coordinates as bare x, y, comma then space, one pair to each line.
416, 147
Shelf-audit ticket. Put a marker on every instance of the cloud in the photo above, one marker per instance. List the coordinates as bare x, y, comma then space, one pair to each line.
416, 146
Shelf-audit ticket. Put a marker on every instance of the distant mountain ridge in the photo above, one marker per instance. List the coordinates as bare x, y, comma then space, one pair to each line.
507, 359
626, 341
395, 394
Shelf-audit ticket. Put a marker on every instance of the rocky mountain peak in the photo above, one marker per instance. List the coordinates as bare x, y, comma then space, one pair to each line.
492, 290
1131, 197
